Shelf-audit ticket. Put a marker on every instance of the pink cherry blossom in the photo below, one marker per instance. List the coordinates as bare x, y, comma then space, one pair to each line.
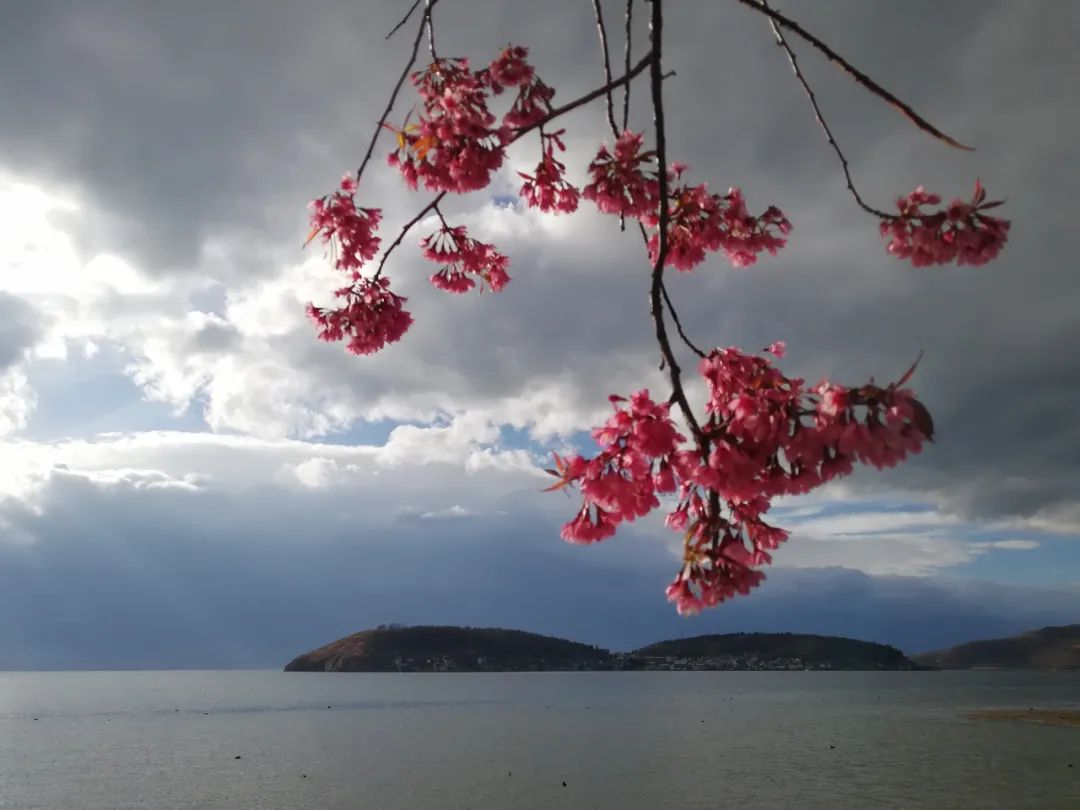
371, 317
764, 434
347, 229
962, 232
700, 223
624, 181
509, 68
454, 146
465, 260
546, 188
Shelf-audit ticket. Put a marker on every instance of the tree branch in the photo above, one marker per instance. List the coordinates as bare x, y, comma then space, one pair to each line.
404, 19
424, 22
855, 73
518, 133
678, 324
626, 62
656, 82
585, 99
794, 60
598, 12
431, 206
430, 30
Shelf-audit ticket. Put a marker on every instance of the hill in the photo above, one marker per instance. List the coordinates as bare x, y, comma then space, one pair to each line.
1048, 648
777, 651
475, 649
449, 649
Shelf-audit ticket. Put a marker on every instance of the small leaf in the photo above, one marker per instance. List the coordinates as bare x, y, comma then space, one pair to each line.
909, 372
555, 473
980, 193
312, 235
555, 487
922, 419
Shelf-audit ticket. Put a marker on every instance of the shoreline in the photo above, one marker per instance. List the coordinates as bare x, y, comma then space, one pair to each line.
1069, 717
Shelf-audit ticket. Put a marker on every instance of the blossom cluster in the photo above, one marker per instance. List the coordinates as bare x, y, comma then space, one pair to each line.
533, 101
764, 435
701, 223
372, 315
625, 182
464, 258
349, 230
962, 232
457, 143
547, 188
634, 465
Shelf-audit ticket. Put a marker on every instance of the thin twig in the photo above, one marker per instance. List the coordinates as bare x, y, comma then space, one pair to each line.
404, 19
678, 323
656, 82
607, 77
408, 226
794, 60
519, 133
671, 304
585, 99
602, 30
855, 73
397, 87
626, 63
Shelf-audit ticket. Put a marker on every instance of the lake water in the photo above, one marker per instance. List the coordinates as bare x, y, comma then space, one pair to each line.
630, 740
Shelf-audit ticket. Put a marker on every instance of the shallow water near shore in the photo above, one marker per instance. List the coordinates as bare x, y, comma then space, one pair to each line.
271, 740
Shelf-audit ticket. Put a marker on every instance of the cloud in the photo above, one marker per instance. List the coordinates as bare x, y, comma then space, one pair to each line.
173, 257
544, 355
1010, 545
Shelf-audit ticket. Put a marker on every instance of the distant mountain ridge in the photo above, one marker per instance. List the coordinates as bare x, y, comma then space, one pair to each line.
1047, 648
468, 649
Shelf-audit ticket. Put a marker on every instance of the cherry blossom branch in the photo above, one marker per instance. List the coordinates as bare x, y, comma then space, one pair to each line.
424, 23
430, 30
607, 76
518, 134
794, 60
626, 62
656, 81
602, 30
427, 209
762, 8
585, 99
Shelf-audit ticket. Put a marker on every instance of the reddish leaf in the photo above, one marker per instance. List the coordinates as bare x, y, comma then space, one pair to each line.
909, 372
923, 420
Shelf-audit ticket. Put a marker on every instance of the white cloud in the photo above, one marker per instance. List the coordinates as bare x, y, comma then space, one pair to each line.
455, 511
17, 400
1009, 545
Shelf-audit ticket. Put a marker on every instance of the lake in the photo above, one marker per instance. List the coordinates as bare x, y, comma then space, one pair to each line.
113, 740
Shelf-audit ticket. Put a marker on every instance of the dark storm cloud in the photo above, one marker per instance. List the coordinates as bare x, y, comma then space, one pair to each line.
143, 572
183, 121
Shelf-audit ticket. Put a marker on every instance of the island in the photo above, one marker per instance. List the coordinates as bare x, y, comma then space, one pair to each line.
1050, 648
395, 648
772, 651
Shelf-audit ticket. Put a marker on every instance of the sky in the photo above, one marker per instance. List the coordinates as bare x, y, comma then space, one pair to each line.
188, 478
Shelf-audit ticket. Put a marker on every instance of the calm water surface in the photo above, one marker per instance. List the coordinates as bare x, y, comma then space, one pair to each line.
623, 740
